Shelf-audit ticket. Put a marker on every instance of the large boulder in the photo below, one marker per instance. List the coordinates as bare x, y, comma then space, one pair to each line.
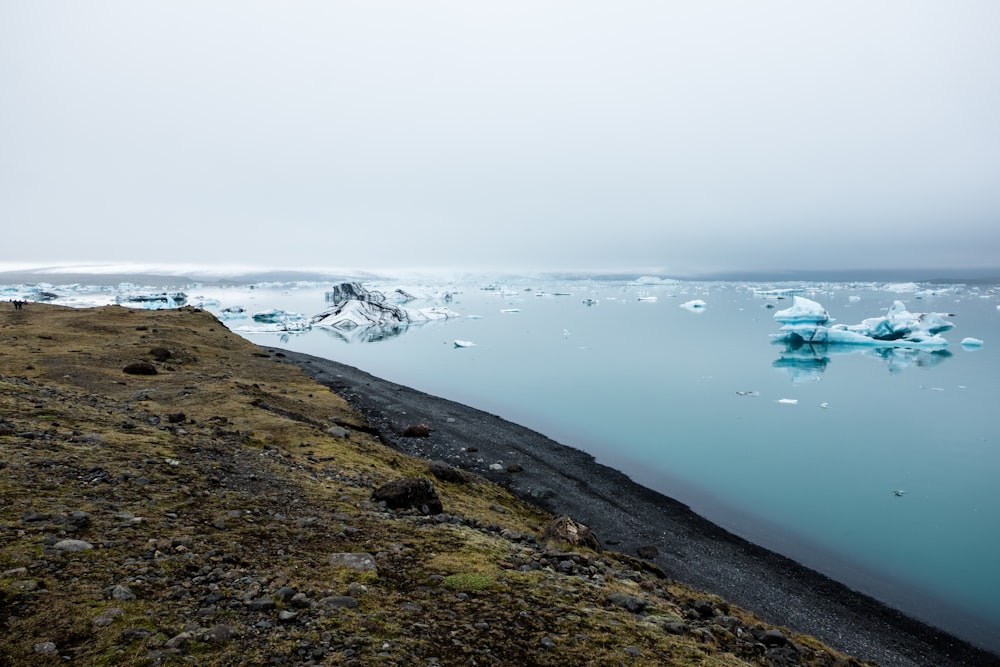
409, 492
565, 529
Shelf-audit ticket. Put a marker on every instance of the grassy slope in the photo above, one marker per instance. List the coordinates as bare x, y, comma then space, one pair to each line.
211, 518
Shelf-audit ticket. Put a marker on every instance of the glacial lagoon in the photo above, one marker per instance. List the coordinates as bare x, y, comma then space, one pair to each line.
877, 466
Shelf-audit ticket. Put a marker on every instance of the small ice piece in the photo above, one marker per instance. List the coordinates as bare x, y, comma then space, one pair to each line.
510, 310
824, 405
899, 493
566, 333
971, 343
748, 393
475, 317
854, 298
788, 401
464, 343
648, 299
694, 305
590, 302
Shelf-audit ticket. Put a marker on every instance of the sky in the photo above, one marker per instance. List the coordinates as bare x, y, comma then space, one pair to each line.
678, 137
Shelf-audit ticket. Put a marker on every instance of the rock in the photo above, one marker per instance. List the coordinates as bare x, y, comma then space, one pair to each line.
629, 602
648, 552
515, 467
220, 633
160, 353
417, 431
287, 616
547, 642
106, 617
337, 431
120, 592
342, 601
704, 608
772, 638
72, 545
31, 516
407, 492
447, 473
285, 593
565, 529
353, 561
140, 368
176, 417
178, 641
261, 604
46, 648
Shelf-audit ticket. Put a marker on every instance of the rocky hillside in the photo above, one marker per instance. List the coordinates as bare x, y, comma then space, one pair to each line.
171, 494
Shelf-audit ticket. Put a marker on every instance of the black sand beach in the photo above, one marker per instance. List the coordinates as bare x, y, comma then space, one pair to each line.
627, 516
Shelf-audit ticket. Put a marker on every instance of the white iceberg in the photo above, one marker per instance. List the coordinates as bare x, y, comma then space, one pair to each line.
464, 343
970, 342
281, 320
694, 305
356, 307
808, 322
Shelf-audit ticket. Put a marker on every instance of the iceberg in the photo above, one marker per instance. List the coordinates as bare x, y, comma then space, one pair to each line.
971, 342
282, 320
150, 301
356, 307
806, 321
694, 305
464, 343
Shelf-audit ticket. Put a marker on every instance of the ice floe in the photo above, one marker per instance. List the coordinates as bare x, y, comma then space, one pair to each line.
464, 343
970, 342
806, 321
356, 307
694, 305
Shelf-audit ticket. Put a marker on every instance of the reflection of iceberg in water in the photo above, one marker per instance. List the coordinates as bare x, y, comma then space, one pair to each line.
806, 362
803, 362
372, 334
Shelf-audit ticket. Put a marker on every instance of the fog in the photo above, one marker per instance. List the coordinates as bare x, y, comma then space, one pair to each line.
646, 136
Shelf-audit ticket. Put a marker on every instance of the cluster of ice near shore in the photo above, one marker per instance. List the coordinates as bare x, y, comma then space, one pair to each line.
807, 322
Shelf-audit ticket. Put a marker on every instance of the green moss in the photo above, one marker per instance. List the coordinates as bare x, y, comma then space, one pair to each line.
469, 581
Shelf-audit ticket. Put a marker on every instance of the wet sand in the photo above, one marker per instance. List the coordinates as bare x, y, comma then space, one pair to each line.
626, 516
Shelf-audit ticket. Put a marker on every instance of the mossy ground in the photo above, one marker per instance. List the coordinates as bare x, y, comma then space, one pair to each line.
220, 480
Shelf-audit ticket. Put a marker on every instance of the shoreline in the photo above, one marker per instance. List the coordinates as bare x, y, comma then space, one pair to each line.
627, 516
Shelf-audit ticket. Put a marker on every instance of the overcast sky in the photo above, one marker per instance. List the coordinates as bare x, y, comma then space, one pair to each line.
673, 136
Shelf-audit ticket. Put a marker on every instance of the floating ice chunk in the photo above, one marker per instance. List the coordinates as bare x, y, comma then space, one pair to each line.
824, 405
648, 299
464, 343
475, 317
274, 316
854, 298
566, 333
694, 305
510, 310
803, 311
902, 288
590, 302
788, 401
807, 322
971, 343
354, 306
777, 293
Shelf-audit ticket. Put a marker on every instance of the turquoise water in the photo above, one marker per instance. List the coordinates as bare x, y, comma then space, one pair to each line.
688, 403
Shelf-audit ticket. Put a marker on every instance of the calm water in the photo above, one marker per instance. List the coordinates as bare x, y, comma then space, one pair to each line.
687, 403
